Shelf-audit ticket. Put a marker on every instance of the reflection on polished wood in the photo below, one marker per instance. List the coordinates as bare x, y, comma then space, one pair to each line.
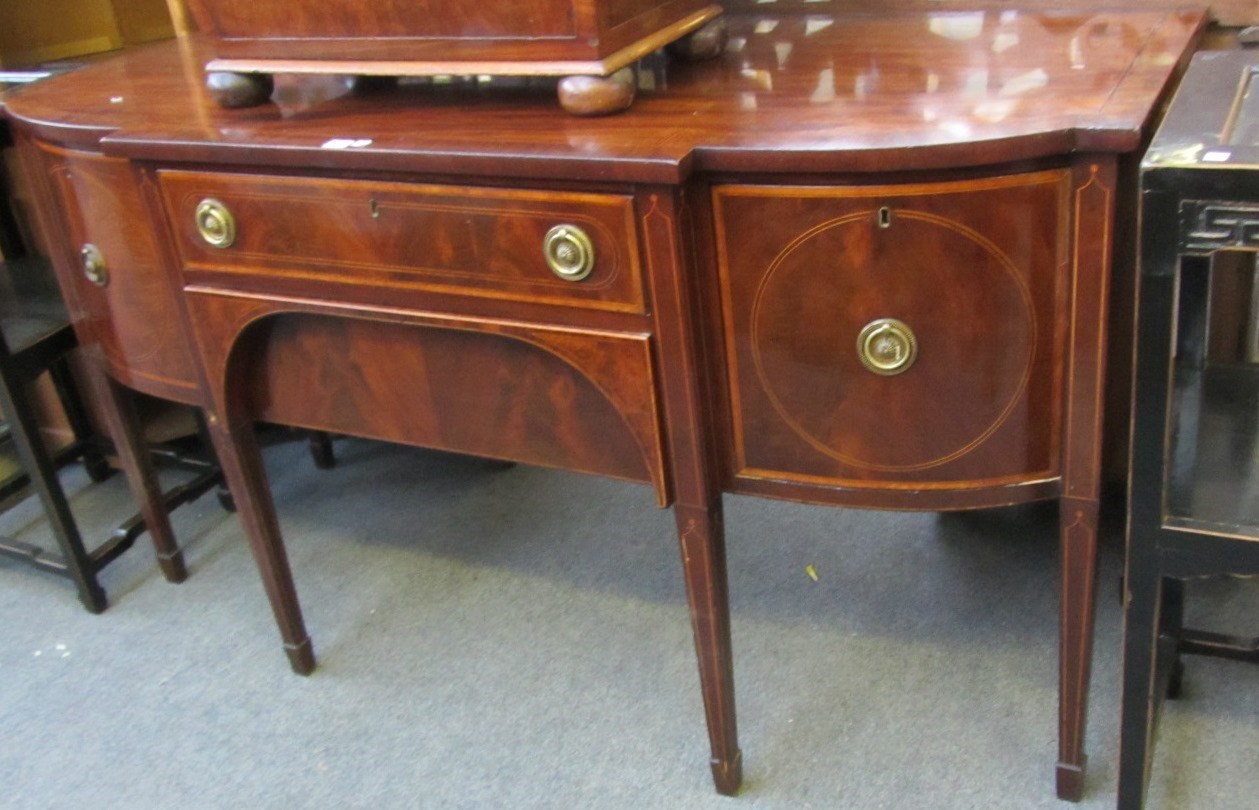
1226, 12
853, 94
749, 216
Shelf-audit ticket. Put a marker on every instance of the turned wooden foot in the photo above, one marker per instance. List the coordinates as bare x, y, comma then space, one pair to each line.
597, 95
703, 43
235, 90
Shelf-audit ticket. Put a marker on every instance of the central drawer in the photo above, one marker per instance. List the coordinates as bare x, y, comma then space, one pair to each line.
471, 241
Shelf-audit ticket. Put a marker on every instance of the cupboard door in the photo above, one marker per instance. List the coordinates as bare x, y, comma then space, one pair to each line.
895, 335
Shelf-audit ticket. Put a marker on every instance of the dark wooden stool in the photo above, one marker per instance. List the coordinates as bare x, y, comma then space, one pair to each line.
36, 337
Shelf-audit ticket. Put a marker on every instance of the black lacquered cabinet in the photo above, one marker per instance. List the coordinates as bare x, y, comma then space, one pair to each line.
1194, 500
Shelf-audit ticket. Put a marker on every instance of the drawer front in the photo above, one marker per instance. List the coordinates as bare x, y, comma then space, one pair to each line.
895, 335
131, 309
395, 236
570, 398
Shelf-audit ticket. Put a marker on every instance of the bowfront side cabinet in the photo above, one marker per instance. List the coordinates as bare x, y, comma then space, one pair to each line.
860, 260
124, 322
1195, 452
928, 346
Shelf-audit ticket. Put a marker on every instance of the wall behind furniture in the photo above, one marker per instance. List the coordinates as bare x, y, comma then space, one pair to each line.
34, 31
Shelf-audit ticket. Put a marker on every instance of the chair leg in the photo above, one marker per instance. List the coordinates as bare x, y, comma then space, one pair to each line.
94, 460
24, 427
1140, 650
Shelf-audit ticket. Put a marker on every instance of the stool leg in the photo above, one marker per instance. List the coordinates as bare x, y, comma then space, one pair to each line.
24, 429
94, 460
118, 410
1140, 649
1171, 621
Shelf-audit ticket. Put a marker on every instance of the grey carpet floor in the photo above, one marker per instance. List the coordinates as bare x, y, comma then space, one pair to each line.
519, 638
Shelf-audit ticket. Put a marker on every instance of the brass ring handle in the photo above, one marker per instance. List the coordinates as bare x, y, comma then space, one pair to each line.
216, 224
887, 347
94, 267
569, 252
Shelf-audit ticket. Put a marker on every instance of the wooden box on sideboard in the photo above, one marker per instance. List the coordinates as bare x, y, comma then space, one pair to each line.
586, 41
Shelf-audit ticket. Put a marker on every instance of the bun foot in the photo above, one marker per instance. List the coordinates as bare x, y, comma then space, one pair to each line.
728, 775
597, 95
1070, 782
301, 657
236, 90
702, 43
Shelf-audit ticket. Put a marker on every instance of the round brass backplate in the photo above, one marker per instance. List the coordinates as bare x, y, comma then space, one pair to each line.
94, 267
887, 346
569, 252
216, 224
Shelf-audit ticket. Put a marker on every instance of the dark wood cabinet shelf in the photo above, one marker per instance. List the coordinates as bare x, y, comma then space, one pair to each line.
1213, 453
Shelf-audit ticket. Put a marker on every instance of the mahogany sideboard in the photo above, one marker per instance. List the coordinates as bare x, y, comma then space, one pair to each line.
860, 260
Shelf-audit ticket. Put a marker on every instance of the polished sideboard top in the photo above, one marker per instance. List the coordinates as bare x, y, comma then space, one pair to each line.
1225, 12
797, 93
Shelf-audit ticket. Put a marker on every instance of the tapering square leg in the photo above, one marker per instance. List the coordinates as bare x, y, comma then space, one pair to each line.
702, 541
241, 460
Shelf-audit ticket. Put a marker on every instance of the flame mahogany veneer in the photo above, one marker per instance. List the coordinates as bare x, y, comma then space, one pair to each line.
960, 174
